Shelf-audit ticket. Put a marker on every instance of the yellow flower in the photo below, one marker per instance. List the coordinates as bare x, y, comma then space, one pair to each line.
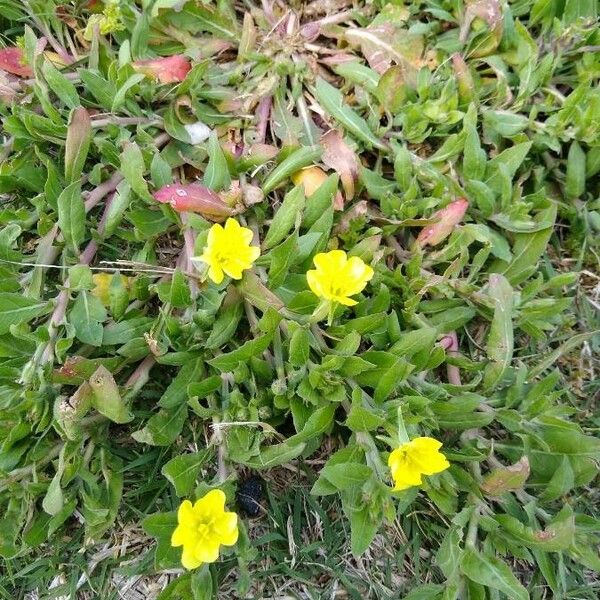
413, 459
338, 277
228, 251
202, 528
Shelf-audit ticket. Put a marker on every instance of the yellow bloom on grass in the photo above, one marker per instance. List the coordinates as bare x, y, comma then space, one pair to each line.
202, 528
413, 459
338, 277
228, 251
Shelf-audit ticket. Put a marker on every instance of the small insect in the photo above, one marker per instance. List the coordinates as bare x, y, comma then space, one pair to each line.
249, 495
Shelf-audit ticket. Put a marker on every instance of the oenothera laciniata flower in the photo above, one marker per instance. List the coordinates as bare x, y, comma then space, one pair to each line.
202, 528
338, 277
228, 251
413, 459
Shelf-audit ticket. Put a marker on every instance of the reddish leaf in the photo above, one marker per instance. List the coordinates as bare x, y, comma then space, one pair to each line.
488, 10
507, 479
12, 61
194, 197
171, 69
340, 157
447, 219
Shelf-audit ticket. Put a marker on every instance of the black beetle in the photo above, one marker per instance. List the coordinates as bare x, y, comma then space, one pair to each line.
249, 495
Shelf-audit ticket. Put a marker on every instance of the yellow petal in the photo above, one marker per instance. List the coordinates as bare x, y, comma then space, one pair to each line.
212, 502
214, 234
235, 272
189, 559
246, 235
345, 301
185, 514
426, 455
233, 227
254, 253
207, 551
181, 536
405, 481
331, 262
227, 529
314, 282
216, 274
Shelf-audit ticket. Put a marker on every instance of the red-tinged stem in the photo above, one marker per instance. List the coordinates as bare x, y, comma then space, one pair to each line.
450, 344
141, 374
96, 195
85, 258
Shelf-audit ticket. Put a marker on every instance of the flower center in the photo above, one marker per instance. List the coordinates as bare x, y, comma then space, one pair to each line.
204, 528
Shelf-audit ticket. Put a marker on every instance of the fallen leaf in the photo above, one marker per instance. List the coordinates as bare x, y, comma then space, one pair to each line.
311, 179
12, 61
170, 69
447, 219
338, 156
194, 197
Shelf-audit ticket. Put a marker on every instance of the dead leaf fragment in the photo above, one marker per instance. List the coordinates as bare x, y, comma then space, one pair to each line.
507, 479
338, 156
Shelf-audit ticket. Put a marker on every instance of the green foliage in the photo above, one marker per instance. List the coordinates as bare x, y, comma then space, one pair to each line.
130, 382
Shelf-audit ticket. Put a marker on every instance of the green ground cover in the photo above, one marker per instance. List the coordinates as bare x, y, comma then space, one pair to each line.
449, 150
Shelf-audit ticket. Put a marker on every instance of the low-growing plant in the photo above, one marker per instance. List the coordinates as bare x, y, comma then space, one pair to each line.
348, 245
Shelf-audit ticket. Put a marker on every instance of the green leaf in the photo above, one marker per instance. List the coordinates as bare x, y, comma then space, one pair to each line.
133, 169
492, 572
182, 471
60, 85
273, 456
54, 499
427, 591
510, 159
225, 325
576, 172
176, 392
346, 475
288, 213
176, 291
300, 158
116, 209
86, 316
362, 530
332, 100
103, 91
500, 341
71, 215
362, 419
161, 527
282, 258
120, 96
16, 308
300, 347
162, 428
216, 176
107, 399
227, 362
79, 135
527, 250
317, 424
